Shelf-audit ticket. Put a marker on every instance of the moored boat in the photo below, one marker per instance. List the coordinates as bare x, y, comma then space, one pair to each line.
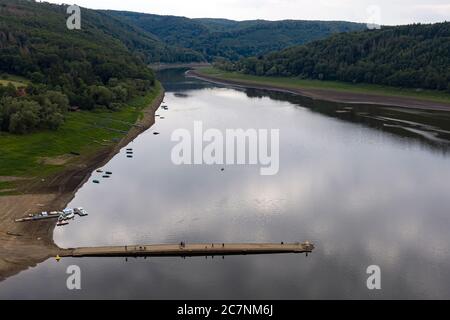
80, 211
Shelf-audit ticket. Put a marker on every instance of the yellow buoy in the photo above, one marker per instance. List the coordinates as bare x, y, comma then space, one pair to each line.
57, 258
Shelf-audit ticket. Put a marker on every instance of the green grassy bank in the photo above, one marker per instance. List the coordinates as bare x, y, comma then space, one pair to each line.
295, 83
84, 132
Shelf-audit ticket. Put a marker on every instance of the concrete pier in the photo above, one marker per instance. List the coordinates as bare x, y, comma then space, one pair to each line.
187, 250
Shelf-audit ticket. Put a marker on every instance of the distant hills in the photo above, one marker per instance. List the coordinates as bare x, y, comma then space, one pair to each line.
416, 56
141, 42
171, 39
230, 39
35, 43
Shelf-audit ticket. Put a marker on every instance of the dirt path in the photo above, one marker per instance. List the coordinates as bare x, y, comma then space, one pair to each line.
334, 95
23, 245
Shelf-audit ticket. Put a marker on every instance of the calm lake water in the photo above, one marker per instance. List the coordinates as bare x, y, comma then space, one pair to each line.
368, 185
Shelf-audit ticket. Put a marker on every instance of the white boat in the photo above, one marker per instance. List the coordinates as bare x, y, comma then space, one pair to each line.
67, 214
68, 211
80, 211
69, 217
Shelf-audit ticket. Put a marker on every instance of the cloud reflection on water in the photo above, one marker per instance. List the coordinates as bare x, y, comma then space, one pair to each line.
364, 196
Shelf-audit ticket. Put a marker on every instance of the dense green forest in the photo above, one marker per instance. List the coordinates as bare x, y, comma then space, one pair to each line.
144, 43
104, 64
234, 39
415, 56
101, 65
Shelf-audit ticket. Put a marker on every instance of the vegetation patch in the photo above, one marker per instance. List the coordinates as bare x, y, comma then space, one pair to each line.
8, 188
15, 81
412, 56
82, 133
92, 68
6, 185
213, 38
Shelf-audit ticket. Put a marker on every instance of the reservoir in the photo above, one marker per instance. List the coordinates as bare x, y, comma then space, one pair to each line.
368, 185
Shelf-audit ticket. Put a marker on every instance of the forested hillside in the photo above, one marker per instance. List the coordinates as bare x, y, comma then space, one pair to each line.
148, 46
102, 65
415, 56
234, 39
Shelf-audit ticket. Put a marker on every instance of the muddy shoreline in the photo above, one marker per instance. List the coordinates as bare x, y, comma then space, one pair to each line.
24, 245
333, 95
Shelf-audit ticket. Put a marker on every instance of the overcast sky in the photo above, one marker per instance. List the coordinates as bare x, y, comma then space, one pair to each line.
388, 12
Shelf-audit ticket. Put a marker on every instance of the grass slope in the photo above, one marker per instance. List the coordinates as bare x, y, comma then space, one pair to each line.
83, 132
16, 81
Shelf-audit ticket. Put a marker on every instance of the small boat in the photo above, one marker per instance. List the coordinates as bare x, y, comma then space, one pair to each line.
80, 211
67, 214
106, 176
96, 181
61, 221
155, 133
129, 156
108, 172
70, 217
99, 171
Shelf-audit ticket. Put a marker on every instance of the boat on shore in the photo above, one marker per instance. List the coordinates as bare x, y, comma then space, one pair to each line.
67, 214
62, 222
80, 211
62, 216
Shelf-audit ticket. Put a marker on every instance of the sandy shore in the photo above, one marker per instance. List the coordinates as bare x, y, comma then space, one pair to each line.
23, 245
333, 95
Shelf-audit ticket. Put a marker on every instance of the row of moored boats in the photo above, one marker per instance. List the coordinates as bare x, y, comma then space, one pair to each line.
69, 214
